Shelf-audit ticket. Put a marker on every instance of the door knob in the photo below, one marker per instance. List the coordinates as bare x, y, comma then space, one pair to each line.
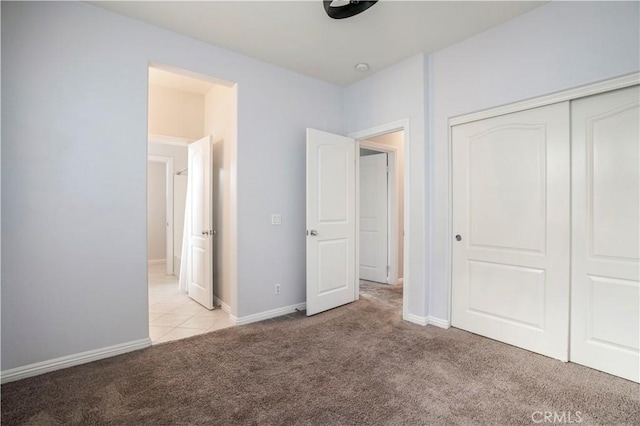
314, 233
205, 232
458, 237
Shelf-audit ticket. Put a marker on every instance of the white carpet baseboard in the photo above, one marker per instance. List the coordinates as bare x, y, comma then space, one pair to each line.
416, 319
438, 322
261, 316
38, 368
156, 261
222, 305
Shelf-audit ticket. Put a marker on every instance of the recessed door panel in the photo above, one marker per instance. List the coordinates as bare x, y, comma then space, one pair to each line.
507, 293
517, 151
369, 255
198, 267
511, 190
198, 194
612, 307
333, 265
333, 178
613, 153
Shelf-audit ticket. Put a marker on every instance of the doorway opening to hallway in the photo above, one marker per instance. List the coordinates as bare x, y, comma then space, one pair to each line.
381, 216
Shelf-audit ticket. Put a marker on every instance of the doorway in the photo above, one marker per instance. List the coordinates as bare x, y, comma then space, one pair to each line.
181, 112
333, 218
381, 211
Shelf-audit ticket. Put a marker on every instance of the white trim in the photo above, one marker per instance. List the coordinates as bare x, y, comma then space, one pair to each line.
261, 316
168, 162
232, 224
561, 96
188, 73
38, 368
393, 206
156, 261
356, 201
438, 322
416, 319
222, 305
406, 146
564, 95
168, 140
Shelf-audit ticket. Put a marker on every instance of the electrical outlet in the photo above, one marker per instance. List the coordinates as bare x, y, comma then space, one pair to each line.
278, 288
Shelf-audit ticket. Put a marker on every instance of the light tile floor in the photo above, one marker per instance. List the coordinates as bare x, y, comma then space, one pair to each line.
173, 315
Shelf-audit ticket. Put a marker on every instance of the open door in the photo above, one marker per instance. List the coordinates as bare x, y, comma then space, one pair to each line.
331, 221
200, 264
374, 218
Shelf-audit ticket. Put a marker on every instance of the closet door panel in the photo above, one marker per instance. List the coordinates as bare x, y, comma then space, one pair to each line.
605, 296
511, 199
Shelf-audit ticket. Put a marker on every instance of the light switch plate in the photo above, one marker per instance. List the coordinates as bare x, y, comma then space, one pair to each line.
276, 219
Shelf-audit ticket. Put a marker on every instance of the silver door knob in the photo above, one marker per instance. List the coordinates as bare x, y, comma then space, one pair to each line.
314, 233
458, 237
205, 232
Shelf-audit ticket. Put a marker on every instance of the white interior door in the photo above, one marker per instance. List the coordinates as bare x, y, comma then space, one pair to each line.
511, 200
374, 218
200, 264
605, 297
331, 224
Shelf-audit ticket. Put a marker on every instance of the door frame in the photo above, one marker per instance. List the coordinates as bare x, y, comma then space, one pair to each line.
359, 136
553, 98
393, 208
168, 162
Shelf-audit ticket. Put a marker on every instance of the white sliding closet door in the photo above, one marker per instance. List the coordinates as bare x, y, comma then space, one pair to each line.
605, 305
511, 212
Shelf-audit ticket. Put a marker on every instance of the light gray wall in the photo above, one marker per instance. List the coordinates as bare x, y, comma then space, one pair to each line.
156, 211
397, 93
555, 47
74, 172
271, 179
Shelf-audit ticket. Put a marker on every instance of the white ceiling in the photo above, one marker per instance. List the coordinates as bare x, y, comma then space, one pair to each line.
298, 35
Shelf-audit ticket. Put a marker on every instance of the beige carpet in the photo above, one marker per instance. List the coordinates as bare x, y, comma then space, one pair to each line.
355, 365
